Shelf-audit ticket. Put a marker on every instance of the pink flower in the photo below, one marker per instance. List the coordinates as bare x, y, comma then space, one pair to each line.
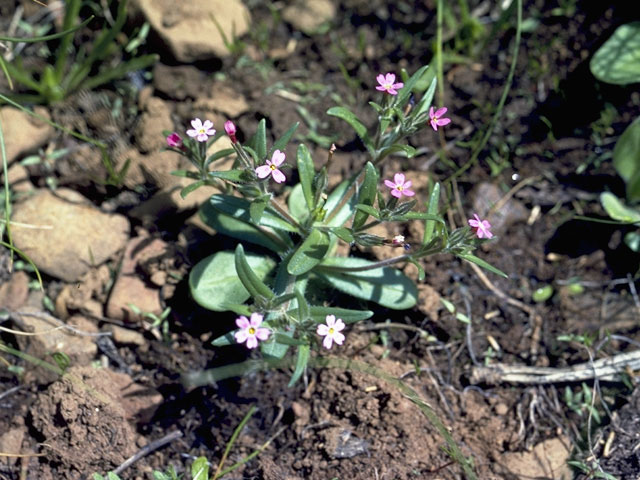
436, 118
201, 131
174, 140
400, 187
331, 331
481, 227
230, 128
250, 330
398, 240
271, 168
387, 83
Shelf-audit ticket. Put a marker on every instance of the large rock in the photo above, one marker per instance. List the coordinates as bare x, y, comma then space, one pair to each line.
66, 239
309, 15
188, 29
22, 132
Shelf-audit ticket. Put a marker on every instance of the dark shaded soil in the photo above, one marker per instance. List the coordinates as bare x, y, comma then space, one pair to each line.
344, 424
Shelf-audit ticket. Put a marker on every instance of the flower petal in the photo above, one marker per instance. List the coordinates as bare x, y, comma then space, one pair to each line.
278, 176
242, 322
441, 111
241, 336
396, 193
196, 123
322, 329
408, 193
252, 342
389, 184
399, 178
380, 79
331, 320
338, 338
263, 171
339, 325
263, 333
277, 158
256, 319
407, 184
390, 78
444, 121
431, 113
327, 342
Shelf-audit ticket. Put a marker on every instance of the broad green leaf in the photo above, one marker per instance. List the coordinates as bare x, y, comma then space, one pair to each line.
366, 195
306, 171
408, 150
200, 469
387, 286
283, 141
335, 200
239, 208
319, 314
309, 253
256, 208
626, 159
349, 117
617, 61
617, 210
301, 364
240, 228
224, 340
215, 284
297, 203
432, 209
478, 261
251, 282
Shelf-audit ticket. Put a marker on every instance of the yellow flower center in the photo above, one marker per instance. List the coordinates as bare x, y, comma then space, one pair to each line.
252, 331
201, 130
273, 167
331, 330
399, 187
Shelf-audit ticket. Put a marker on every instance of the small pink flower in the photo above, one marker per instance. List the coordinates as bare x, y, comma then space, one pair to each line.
250, 330
271, 168
230, 128
331, 331
398, 240
481, 227
400, 187
174, 140
387, 83
436, 119
201, 131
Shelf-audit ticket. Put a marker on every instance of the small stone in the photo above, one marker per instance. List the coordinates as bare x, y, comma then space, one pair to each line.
548, 459
18, 176
14, 293
22, 132
11, 443
501, 409
309, 15
127, 336
68, 238
153, 122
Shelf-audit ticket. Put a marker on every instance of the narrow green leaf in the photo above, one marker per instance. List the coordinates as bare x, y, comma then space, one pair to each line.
420, 216
343, 234
256, 208
319, 314
426, 100
251, 282
348, 116
224, 340
301, 364
309, 253
369, 210
336, 200
230, 175
366, 195
403, 94
259, 141
219, 154
478, 261
432, 209
283, 141
214, 281
306, 171
190, 188
387, 286
239, 208
617, 210
46, 38
303, 306
297, 203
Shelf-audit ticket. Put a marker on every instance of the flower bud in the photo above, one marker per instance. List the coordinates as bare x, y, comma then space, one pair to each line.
230, 128
174, 140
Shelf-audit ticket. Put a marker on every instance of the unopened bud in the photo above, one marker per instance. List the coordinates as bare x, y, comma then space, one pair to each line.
174, 140
230, 128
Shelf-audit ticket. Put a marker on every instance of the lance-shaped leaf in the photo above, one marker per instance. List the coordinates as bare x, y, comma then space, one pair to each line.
478, 261
425, 101
259, 141
250, 281
319, 314
190, 188
282, 142
366, 195
297, 203
306, 172
387, 286
349, 117
301, 364
338, 207
405, 92
214, 281
309, 253
432, 209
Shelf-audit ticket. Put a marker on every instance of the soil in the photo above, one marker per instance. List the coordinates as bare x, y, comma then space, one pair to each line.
340, 423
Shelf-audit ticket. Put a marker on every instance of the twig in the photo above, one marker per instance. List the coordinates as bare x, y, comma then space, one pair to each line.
10, 391
603, 369
146, 450
15, 316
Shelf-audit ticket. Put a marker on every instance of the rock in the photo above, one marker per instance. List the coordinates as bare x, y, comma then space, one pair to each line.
79, 295
127, 336
80, 235
309, 15
14, 293
129, 287
154, 168
79, 348
428, 301
548, 459
11, 443
22, 132
18, 176
180, 82
485, 196
225, 100
154, 120
188, 29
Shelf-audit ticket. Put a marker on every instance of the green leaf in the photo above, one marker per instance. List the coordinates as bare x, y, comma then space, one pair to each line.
387, 286
215, 284
343, 234
478, 261
432, 209
256, 208
369, 210
190, 188
319, 314
297, 203
240, 208
348, 116
306, 171
283, 141
626, 159
240, 228
200, 469
426, 100
366, 195
303, 306
632, 240
251, 282
309, 253
408, 150
225, 340
235, 176
336, 198
259, 141
407, 89
219, 154
301, 364
617, 61
617, 210
420, 216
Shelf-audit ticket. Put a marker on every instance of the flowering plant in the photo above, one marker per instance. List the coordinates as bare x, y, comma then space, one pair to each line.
279, 290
